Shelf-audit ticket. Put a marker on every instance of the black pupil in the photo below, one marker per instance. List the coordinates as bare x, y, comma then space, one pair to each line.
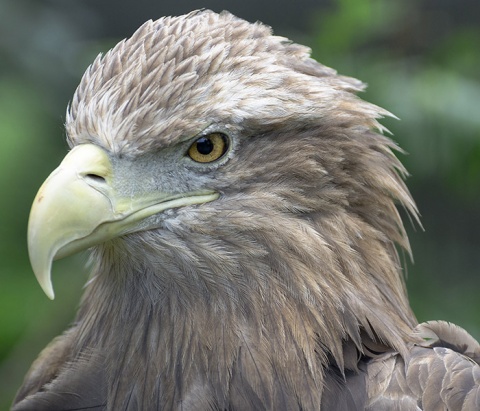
204, 145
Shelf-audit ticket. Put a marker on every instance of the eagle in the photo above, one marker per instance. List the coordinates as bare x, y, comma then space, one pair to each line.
240, 204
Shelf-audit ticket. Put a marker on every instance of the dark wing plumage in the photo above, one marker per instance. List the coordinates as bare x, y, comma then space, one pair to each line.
441, 372
58, 382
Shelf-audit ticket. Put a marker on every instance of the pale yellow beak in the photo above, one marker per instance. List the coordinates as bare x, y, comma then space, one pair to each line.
78, 207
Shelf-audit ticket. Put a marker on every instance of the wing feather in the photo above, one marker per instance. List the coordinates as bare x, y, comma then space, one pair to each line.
440, 373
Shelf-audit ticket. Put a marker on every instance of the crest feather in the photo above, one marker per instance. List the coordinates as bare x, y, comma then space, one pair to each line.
177, 75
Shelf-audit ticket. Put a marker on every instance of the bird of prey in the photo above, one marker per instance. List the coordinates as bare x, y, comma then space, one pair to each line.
240, 204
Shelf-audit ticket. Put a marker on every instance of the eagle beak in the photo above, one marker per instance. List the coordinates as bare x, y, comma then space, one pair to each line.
79, 206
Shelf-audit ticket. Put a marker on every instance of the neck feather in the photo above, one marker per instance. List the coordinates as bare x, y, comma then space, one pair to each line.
254, 305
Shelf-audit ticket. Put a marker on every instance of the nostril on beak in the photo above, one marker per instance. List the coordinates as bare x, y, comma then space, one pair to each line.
95, 178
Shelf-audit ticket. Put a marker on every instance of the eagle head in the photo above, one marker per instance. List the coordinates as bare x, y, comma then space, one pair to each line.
239, 201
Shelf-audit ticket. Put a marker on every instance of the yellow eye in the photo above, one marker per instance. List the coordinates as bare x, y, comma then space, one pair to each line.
208, 148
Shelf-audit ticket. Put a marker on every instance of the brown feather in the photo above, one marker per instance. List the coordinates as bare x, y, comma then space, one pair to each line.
434, 376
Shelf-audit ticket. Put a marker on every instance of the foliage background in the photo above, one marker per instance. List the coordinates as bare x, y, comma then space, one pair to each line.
420, 58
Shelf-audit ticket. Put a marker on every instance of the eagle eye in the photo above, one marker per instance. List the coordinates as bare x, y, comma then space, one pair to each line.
208, 148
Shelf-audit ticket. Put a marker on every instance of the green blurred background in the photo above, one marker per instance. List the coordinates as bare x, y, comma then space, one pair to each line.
421, 59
